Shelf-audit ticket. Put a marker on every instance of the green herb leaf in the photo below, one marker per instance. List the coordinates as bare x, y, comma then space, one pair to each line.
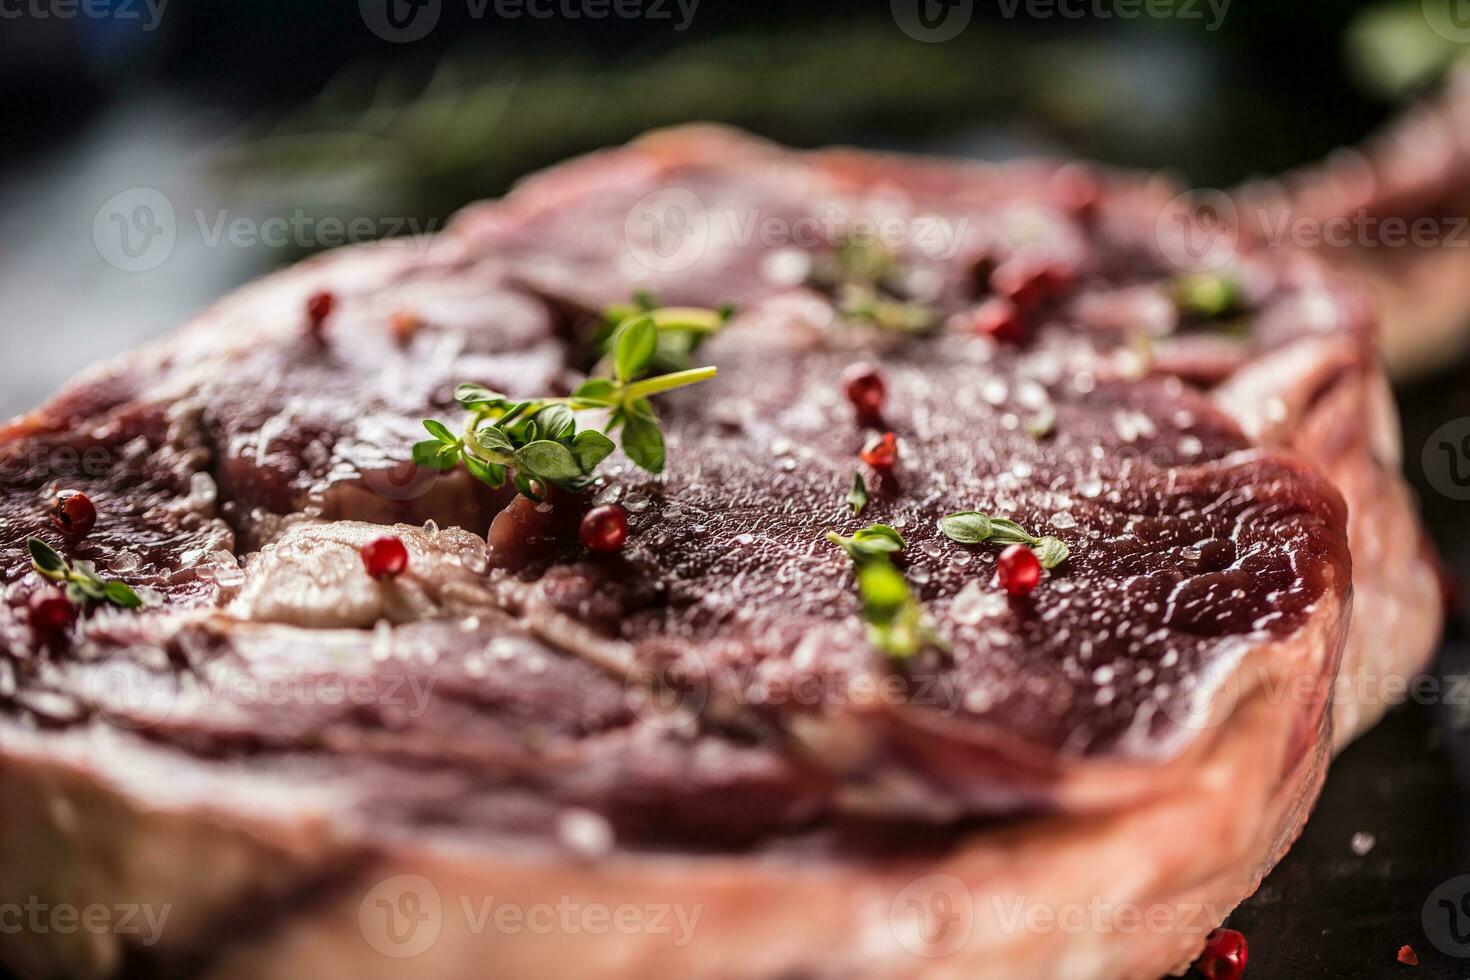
1207, 294
1051, 551
91, 586
874, 541
879, 537
121, 595
440, 431
556, 422
527, 486
539, 438
1008, 532
491, 474
492, 438
433, 454
895, 619
966, 527
636, 343
473, 396
83, 584
883, 590
547, 460
973, 527
45, 559
597, 389
858, 495
643, 443
591, 447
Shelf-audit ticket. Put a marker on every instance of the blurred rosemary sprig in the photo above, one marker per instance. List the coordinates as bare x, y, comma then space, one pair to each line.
468, 133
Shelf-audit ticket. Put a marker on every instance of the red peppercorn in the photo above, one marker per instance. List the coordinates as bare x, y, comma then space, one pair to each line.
385, 558
51, 612
865, 388
604, 528
1001, 320
74, 513
1224, 956
1407, 956
1019, 570
318, 307
882, 453
405, 326
1027, 280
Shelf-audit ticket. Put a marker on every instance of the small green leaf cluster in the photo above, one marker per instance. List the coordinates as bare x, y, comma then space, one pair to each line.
867, 281
83, 584
680, 330
537, 441
973, 527
857, 497
896, 622
1207, 294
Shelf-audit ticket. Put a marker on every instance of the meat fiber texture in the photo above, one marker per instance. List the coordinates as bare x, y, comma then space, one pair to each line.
686, 758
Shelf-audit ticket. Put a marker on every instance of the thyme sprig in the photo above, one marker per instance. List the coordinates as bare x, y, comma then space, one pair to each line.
896, 622
857, 497
83, 584
973, 527
537, 440
866, 279
682, 330
1210, 295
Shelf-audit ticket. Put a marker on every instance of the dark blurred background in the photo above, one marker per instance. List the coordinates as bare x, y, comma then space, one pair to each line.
148, 143
296, 108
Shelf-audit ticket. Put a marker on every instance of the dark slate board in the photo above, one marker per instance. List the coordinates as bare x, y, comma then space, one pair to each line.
1325, 912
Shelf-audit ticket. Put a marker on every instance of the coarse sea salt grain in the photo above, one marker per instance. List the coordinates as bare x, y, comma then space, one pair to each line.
585, 832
